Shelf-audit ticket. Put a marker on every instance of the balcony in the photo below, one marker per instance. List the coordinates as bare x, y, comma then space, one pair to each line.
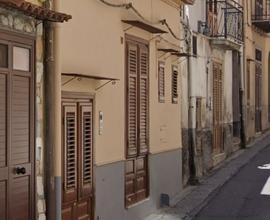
224, 23
261, 14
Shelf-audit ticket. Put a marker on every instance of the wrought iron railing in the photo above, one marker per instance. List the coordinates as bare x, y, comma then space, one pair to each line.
224, 19
261, 10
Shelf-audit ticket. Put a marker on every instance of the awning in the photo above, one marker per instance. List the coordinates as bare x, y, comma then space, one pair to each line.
169, 50
144, 26
35, 11
79, 75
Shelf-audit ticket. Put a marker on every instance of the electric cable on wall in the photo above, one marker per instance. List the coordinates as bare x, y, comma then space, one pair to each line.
130, 6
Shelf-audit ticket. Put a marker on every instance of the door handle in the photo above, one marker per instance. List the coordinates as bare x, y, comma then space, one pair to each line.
20, 170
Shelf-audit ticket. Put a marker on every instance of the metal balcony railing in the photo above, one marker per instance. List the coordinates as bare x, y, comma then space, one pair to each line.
224, 19
261, 14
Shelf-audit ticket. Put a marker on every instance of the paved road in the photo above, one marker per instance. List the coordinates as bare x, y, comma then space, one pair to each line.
240, 198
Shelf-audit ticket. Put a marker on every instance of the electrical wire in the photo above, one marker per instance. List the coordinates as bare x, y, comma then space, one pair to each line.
124, 5
164, 22
130, 6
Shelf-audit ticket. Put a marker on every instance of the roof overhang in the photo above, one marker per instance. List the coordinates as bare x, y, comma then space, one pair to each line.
144, 26
35, 11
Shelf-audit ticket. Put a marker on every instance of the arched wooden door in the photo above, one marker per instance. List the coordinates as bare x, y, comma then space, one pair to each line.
16, 128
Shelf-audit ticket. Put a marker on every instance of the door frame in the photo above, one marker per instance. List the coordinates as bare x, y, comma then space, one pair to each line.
14, 38
76, 96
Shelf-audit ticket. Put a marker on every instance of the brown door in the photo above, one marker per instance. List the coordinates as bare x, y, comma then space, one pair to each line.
258, 90
212, 17
77, 159
16, 128
217, 109
258, 107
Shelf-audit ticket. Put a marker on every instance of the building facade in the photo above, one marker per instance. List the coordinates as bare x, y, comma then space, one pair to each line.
212, 76
122, 71
257, 67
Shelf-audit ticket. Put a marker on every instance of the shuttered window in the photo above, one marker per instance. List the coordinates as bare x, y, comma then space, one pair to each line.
174, 84
136, 172
70, 152
161, 82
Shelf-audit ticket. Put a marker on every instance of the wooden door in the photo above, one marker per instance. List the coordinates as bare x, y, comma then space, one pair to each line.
258, 107
16, 128
217, 108
77, 166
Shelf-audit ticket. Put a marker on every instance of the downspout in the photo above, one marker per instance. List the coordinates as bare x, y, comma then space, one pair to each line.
53, 123
242, 84
193, 180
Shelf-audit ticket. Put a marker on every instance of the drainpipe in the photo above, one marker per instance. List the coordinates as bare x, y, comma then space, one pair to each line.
53, 116
242, 87
193, 180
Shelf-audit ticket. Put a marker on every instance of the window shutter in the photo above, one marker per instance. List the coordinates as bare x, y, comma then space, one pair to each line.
132, 70
143, 104
86, 145
161, 82
70, 152
174, 84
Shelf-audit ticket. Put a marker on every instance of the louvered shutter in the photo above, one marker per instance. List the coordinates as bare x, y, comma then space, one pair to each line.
174, 84
70, 152
143, 103
132, 120
86, 148
161, 82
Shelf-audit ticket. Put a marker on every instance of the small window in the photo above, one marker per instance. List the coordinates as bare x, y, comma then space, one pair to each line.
161, 82
258, 55
194, 45
174, 84
21, 59
3, 56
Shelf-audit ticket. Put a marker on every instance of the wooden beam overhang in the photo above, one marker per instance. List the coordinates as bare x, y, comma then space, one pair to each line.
35, 11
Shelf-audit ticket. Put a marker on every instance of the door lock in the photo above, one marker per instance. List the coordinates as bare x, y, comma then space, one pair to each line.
20, 170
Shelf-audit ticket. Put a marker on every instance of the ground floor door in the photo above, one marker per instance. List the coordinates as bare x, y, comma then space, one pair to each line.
17, 170
77, 164
217, 108
258, 107
236, 75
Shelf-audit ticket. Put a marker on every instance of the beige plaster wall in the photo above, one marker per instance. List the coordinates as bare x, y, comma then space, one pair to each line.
93, 44
255, 38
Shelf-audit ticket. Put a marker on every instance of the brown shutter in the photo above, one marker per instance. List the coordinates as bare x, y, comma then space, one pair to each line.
3, 146
130, 182
143, 109
86, 144
70, 152
161, 82
3, 117
132, 70
174, 84
141, 178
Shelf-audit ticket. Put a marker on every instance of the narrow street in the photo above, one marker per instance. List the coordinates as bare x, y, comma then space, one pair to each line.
241, 198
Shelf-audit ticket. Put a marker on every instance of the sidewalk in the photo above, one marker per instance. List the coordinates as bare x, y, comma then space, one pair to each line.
195, 198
